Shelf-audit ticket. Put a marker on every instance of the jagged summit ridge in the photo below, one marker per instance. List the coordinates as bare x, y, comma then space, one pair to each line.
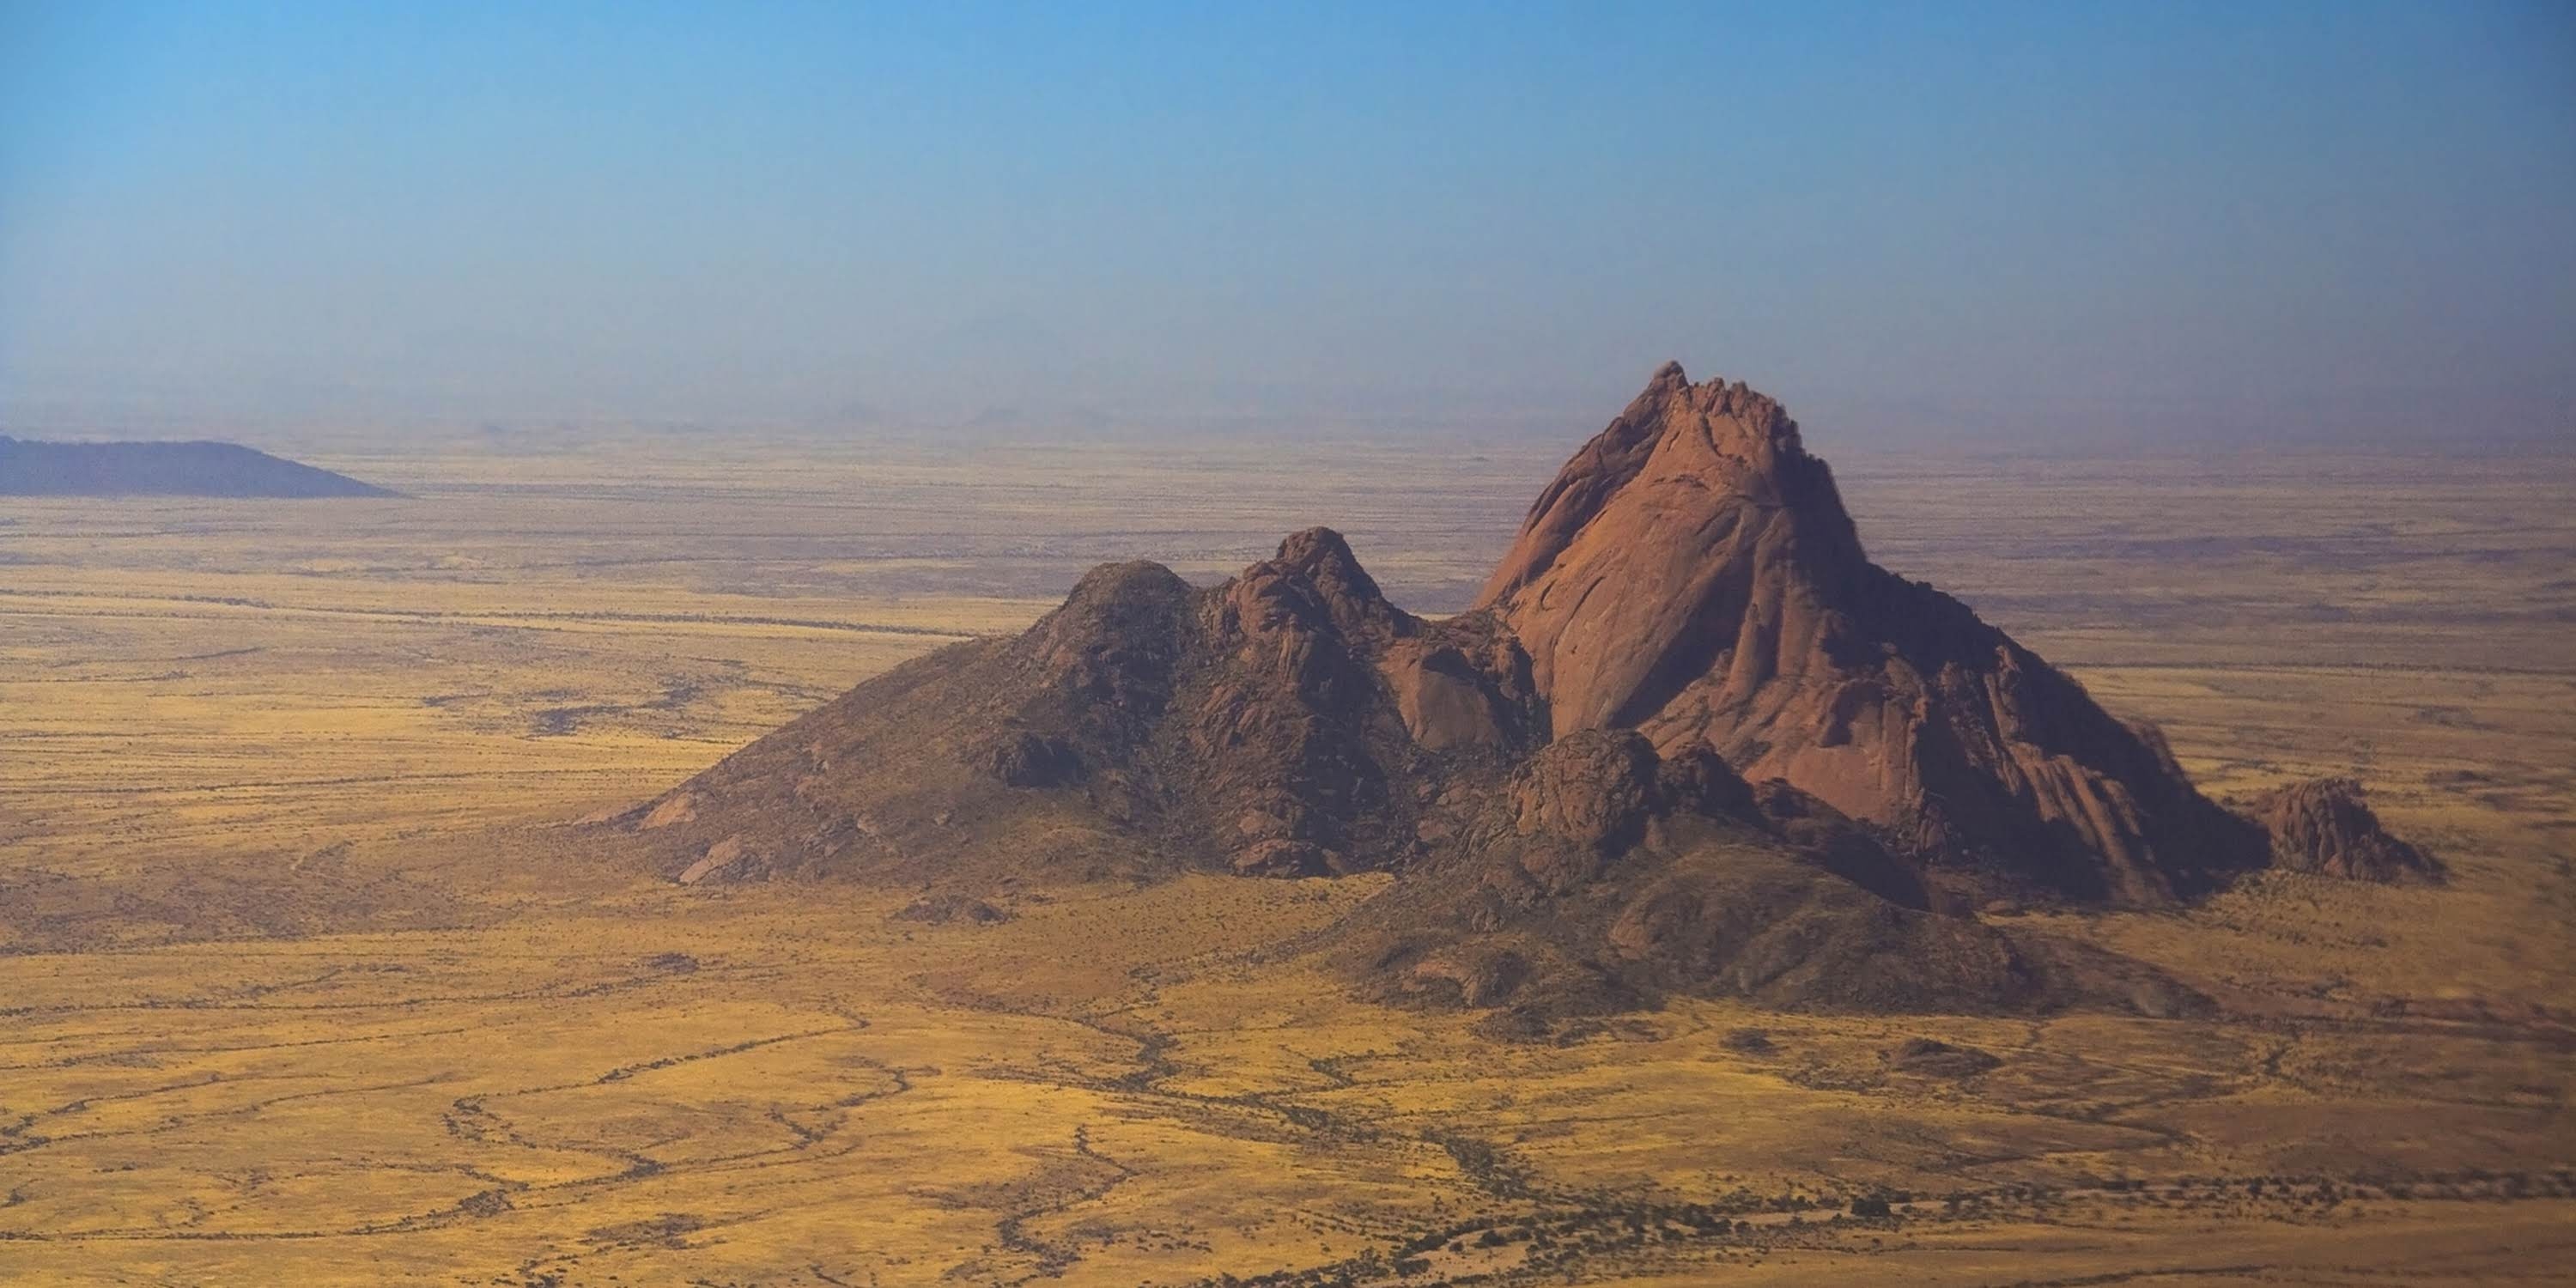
1648, 549
1725, 432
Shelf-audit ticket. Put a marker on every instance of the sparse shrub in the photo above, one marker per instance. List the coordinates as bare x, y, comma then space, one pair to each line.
1749, 1041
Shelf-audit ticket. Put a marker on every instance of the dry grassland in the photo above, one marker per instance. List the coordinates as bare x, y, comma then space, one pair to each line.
306, 982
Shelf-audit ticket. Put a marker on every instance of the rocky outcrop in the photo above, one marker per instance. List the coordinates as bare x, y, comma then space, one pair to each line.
1692, 574
2325, 826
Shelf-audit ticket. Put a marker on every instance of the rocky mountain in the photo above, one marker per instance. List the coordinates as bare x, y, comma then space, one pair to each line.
1692, 574
1689, 740
29, 468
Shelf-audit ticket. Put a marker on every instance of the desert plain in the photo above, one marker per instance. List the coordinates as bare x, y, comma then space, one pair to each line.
309, 976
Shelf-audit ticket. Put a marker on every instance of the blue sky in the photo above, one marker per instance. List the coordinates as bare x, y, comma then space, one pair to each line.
1913, 222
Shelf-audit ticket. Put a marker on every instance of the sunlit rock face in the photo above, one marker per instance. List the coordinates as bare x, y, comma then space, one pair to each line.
1691, 573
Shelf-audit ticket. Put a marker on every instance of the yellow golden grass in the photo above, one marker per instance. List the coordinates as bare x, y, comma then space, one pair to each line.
308, 982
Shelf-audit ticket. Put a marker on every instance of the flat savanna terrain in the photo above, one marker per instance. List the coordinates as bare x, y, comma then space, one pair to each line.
307, 979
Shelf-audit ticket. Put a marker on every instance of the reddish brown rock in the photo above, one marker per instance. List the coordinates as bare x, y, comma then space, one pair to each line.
1594, 789
1287, 722
2325, 826
1692, 574
1552, 776
1464, 687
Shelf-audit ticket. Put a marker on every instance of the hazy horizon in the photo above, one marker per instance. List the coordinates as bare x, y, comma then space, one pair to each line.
2306, 224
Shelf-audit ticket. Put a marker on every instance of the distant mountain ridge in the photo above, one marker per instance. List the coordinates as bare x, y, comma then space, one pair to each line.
33, 468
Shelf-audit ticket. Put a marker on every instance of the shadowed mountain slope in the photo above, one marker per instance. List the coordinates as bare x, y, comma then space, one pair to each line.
1288, 722
30, 468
